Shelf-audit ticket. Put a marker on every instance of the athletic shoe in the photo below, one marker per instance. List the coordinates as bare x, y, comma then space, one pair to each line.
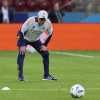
49, 77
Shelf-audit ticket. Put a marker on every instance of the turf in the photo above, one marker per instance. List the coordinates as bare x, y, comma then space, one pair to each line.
68, 69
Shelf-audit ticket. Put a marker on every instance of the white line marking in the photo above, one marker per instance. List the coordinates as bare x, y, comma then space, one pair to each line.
72, 54
63, 89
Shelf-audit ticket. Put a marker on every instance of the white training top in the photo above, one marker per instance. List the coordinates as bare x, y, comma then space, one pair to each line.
32, 30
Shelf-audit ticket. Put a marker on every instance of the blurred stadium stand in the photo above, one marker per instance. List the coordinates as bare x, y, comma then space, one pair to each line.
75, 10
74, 17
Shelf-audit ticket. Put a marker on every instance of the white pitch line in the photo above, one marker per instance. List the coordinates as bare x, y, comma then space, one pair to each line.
63, 89
72, 54
93, 89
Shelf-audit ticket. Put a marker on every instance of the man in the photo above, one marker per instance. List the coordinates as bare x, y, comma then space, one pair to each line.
30, 34
6, 13
56, 15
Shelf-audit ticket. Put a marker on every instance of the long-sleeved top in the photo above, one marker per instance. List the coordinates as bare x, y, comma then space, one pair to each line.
32, 31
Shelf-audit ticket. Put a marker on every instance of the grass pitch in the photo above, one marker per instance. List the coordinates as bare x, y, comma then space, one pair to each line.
69, 69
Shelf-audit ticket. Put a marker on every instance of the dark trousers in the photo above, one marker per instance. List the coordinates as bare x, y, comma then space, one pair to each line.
45, 56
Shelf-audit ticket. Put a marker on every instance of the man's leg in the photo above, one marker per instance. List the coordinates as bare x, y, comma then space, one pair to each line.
20, 62
45, 56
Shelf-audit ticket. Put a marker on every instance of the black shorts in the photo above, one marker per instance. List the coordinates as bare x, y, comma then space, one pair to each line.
36, 44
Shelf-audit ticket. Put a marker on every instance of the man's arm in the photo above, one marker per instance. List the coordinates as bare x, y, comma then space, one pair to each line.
48, 40
49, 31
22, 31
21, 41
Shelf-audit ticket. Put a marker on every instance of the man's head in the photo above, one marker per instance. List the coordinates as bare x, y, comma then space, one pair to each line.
56, 6
5, 3
42, 16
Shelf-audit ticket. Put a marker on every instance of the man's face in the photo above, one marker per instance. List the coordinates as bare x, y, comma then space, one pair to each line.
5, 3
41, 21
56, 7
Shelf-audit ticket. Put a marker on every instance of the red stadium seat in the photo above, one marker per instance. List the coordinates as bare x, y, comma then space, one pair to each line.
0, 3
44, 4
66, 5
31, 5
35, 5
20, 5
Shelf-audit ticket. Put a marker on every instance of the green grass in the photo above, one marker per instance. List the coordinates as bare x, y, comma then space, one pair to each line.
68, 69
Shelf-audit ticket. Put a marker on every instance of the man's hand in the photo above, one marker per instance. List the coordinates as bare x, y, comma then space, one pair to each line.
44, 48
22, 50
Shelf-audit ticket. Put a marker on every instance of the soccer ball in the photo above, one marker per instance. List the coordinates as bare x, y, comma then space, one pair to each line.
77, 91
30, 49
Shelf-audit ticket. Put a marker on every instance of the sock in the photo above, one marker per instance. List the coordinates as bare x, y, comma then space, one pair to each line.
45, 56
20, 61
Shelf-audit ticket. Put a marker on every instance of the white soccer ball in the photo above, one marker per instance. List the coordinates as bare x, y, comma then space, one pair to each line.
30, 49
77, 91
